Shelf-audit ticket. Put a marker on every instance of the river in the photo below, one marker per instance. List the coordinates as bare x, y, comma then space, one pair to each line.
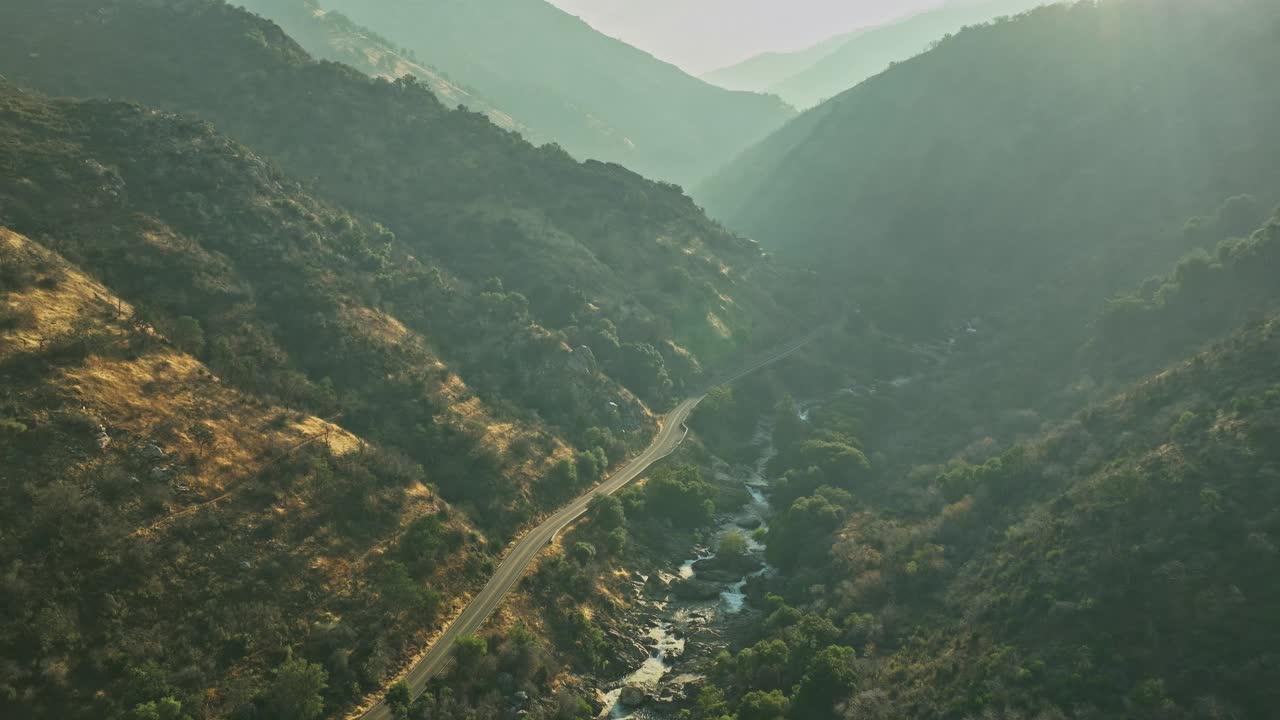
669, 634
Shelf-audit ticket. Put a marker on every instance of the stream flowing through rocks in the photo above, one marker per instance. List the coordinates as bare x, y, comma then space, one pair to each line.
695, 608
692, 613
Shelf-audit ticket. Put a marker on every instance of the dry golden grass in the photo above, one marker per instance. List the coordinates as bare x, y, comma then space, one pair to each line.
160, 394
464, 408
57, 306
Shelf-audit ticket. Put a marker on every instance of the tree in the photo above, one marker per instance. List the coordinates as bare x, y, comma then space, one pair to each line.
296, 692
607, 512
830, 677
641, 368
469, 650
561, 481
733, 546
163, 709
680, 495
841, 465
760, 705
710, 703
591, 463
188, 335
616, 542
801, 535
399, 699
204, 437
584, 553
421, 545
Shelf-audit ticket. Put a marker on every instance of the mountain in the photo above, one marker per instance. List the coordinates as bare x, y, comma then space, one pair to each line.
595, 96
258, 430
216, 446
1021, 167
830, 68
758, 73
628, 268
1113, 563
332, 36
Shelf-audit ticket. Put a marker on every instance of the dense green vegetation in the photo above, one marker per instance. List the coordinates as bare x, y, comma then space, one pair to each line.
190, 225
1169, 315
1118, 565
286, 362
203, 564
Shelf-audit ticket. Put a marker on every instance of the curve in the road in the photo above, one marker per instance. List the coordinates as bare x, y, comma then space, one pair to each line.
512, 568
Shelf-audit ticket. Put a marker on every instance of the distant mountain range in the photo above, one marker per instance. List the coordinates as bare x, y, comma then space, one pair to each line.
807, 77
560, 80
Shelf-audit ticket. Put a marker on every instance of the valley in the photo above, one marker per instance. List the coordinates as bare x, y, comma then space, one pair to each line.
372, 360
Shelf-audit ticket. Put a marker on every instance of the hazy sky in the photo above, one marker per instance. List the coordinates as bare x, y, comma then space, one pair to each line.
703, 35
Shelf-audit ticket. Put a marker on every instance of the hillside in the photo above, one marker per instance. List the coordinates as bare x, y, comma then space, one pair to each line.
1043, 159
239, 249
809, 77
594, 95
332, 36
169, 537
628, 268
1116, 564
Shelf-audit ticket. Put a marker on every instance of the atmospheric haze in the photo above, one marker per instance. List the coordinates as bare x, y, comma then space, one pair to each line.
704, 35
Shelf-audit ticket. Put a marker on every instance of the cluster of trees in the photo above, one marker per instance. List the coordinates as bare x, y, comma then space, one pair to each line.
488, 673
676, 495
1169, 315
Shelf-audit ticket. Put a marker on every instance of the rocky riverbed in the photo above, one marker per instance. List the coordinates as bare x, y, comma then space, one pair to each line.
687, 614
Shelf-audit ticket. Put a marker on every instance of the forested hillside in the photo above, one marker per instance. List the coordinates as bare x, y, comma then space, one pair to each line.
177, 516
626, 267
596, 96
1043, 160
330, 35
1117, 563
293, 353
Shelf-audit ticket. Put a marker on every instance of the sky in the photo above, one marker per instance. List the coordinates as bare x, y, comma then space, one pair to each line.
705, 35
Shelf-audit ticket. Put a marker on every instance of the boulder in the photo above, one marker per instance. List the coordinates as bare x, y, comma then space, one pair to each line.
735, 566
658, 583
632, 696
694, 589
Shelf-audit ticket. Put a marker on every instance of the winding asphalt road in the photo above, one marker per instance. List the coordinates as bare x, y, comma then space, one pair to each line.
521, 555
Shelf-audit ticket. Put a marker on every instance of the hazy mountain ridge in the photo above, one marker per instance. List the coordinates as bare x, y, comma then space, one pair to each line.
810, 76
594, 95
332, 36
761, 72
